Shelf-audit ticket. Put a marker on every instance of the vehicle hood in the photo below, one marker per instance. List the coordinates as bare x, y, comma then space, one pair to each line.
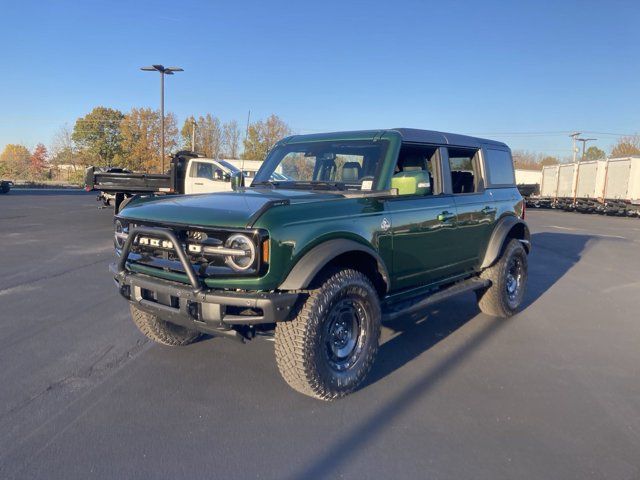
225, 209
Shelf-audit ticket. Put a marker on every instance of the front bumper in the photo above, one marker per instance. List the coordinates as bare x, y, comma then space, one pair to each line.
195, 306
206, 310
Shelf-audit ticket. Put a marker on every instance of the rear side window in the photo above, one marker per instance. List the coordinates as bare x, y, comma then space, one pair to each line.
500, 166
465, 174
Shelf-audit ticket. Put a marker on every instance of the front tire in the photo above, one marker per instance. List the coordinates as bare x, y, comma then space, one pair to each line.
329, 348
508, 280
160, 331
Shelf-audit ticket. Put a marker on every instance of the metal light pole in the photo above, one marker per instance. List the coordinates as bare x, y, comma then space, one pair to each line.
574, 135
163, 71
584, 144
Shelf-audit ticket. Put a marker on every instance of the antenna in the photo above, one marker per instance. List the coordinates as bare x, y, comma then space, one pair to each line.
246, 135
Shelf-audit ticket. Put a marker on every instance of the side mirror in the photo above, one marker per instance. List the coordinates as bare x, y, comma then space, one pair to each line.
237, 180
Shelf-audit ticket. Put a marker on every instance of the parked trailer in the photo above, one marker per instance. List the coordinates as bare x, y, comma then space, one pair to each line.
548, 188
590, 178
566, 191
610, 186
622, 186
528, 182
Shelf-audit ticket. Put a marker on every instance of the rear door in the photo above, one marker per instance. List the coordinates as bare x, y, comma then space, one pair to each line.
476, 209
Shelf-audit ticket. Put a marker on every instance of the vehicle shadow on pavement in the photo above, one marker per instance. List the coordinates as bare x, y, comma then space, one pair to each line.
553, 255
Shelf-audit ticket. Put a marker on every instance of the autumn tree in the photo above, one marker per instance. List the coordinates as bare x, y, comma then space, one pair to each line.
98, 134
626, 146
525, 160
186, 133
262, 136
38, 161
15, 161
594, 153
231, 139
549, 160
209, 136
141, 141
63, 150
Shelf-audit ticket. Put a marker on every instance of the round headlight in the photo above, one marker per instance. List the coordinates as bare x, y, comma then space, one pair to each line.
240, 262
120, 235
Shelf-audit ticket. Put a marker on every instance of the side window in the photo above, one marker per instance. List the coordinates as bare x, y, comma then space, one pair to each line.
415, 171
465, 173
202, 170
500, 166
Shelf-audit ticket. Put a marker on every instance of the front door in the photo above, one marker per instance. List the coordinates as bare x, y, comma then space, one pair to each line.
423, 220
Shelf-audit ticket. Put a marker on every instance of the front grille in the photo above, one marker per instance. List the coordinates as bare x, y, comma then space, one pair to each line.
157, 252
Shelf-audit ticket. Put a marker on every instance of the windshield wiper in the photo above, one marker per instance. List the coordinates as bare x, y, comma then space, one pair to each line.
266, 183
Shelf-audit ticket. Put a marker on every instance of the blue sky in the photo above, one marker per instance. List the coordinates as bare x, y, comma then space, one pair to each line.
521, 72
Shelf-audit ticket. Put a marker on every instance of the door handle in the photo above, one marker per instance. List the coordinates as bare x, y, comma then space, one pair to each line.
488, 210
198, 183
446, 216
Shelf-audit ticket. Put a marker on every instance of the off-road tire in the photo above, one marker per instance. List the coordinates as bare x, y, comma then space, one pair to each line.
302, 354
495, 300
160, 331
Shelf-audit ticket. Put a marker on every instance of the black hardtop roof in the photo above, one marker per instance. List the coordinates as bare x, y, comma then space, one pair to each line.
407, 134
431, 136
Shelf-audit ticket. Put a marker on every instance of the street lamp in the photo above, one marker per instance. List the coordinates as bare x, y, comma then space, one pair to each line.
584, 144
163, 71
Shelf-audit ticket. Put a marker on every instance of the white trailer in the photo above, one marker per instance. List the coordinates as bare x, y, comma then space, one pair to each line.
528, 177
549, 185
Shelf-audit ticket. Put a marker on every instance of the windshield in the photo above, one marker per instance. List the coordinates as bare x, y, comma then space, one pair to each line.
341, 165
226, 164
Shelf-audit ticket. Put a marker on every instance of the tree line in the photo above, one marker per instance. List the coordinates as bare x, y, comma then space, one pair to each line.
626, 146
107, 137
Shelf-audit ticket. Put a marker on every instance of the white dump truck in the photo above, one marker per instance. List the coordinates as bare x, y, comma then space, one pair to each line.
189, 173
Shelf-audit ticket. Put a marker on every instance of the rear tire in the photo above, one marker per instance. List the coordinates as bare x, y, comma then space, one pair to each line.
160, 331
328, 349
508, 280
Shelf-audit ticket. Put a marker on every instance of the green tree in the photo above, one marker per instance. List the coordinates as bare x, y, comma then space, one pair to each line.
626, 146
594, 153
98, 133
15, 161
262, 136
141, 142
549, 160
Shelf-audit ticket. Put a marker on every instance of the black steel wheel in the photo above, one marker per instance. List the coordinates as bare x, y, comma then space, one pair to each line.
327, 350
508, 282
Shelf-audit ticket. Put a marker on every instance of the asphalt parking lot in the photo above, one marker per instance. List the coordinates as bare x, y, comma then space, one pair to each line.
551, 393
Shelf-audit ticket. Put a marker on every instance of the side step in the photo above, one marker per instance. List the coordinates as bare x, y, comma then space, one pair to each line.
464, 286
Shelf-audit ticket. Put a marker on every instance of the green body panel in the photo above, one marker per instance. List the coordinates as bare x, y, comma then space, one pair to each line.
423, 240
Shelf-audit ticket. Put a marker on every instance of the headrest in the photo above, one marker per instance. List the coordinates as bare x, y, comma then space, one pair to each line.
415, 182
351, 171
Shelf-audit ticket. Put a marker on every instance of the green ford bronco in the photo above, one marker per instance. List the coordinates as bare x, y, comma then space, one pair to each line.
337, 233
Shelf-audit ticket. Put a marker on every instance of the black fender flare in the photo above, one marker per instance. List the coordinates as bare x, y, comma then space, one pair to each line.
500, 233
305, 270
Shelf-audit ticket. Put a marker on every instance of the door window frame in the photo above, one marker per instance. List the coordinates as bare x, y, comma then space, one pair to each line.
436, 164
478, 166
